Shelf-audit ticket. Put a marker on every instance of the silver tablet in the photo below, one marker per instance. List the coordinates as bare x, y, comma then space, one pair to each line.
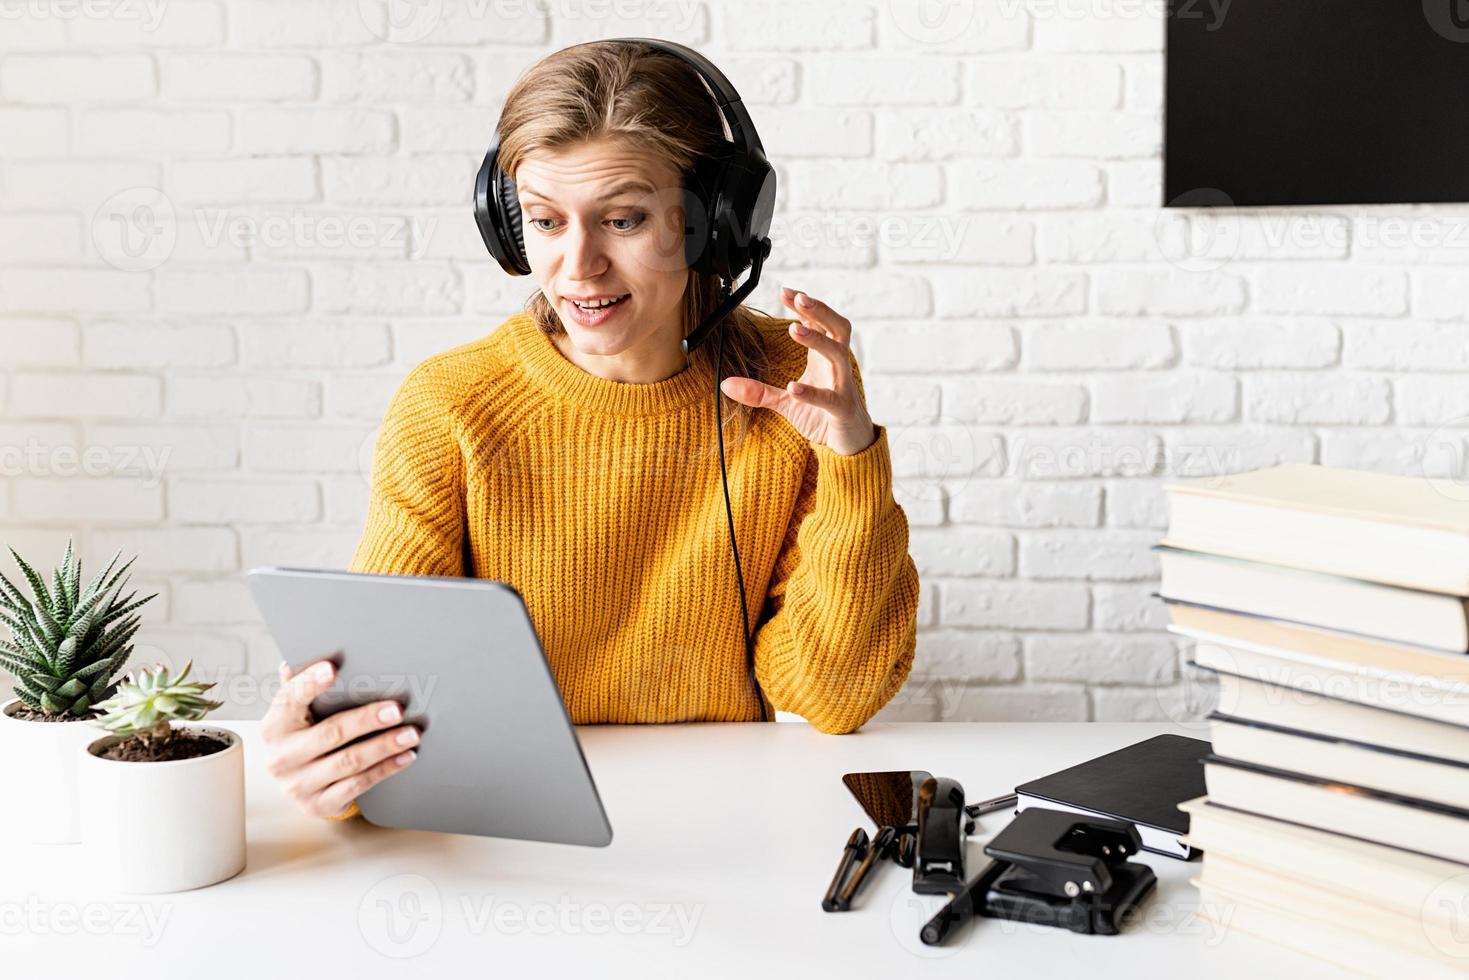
499, 757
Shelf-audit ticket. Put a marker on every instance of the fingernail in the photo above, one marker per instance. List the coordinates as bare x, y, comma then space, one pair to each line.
799, 328
322, 671
406, 758
802, 299
389, 713
408, 737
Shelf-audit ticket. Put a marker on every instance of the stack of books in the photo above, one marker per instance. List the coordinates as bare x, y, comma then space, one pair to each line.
1331, 605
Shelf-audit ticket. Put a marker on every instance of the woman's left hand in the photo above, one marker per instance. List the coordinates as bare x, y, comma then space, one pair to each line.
823, 404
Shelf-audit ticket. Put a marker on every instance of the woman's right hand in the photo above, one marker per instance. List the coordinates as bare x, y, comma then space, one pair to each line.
320, 776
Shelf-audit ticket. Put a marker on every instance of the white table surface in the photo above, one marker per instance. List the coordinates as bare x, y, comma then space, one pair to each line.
725, 837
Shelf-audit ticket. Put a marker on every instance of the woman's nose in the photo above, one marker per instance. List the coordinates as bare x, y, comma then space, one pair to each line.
583, 258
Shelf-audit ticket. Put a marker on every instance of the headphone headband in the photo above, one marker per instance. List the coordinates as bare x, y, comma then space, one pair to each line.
741, 128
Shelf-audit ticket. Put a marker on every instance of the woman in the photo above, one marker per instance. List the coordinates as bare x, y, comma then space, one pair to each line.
571, 453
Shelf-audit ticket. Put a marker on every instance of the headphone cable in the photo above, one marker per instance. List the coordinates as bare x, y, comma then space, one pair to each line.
729, 516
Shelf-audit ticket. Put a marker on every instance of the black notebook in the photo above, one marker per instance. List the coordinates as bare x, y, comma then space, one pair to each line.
1142, 784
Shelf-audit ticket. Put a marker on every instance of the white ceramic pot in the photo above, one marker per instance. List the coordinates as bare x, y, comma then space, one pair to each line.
164, 826
38, 760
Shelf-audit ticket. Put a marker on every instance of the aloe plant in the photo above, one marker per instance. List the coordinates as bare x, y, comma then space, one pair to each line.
67, 643
149, 699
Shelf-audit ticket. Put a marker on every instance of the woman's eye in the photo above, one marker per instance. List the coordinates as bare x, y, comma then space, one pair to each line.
629, 223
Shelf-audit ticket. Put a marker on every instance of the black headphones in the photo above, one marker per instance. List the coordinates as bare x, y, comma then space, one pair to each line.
731, 234
736, 188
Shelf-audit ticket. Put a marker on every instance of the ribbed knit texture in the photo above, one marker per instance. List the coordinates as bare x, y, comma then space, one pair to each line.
601, 503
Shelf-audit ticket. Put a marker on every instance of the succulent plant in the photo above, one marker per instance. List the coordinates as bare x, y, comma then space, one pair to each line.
67, 643
148, 699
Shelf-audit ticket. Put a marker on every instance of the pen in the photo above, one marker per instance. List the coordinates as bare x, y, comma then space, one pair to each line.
855, 845
962, 907
990, 805
879, 846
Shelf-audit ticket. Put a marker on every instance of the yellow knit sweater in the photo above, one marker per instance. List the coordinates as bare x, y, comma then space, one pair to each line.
601, 503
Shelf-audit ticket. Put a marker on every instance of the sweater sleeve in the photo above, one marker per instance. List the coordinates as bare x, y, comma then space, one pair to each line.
840, 623
415, 514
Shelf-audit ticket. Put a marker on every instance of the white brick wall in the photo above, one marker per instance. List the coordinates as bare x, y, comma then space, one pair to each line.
228, 230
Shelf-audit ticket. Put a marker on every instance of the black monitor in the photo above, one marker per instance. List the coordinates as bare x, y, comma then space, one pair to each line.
1316, 102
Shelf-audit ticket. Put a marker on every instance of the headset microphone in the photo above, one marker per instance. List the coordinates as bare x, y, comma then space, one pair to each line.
727, 306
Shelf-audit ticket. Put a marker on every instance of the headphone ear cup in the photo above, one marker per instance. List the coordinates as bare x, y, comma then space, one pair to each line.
746, 206
511, 220
497, 214
701, 206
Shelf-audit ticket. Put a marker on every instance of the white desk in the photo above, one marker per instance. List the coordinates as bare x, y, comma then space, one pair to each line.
725, 837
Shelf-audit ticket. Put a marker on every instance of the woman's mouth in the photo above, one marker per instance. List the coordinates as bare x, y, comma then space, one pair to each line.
597, 312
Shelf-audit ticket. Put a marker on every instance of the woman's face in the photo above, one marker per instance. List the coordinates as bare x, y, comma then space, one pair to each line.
604, 220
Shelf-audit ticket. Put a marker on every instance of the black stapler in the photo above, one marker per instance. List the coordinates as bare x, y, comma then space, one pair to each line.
938, 864
921, 824
1056, 869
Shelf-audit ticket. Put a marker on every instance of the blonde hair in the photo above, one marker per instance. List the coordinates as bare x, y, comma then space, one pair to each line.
654, 100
